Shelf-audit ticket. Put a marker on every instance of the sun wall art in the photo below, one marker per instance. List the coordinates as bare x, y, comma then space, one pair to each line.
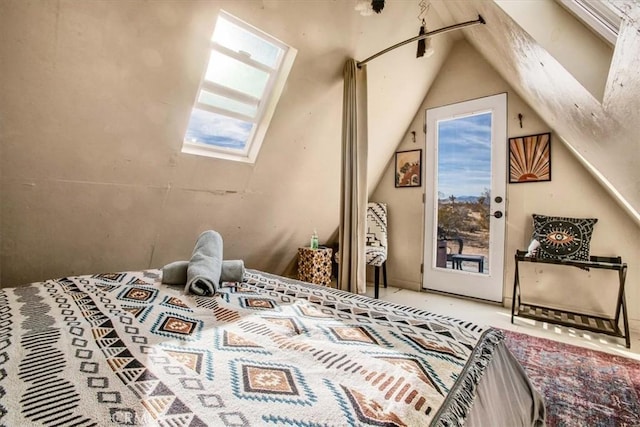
530, 158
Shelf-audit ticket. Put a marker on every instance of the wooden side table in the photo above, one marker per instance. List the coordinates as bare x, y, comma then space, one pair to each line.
314, 265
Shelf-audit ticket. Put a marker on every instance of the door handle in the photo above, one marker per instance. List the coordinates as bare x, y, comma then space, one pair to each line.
497, 214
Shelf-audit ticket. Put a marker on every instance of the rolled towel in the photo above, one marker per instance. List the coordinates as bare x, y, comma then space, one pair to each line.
175, 273
205, 265
232, 270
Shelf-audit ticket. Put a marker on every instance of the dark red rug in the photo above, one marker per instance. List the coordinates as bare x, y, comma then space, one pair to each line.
581, 387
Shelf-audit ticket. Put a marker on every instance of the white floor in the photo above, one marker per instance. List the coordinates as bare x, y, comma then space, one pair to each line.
495, 315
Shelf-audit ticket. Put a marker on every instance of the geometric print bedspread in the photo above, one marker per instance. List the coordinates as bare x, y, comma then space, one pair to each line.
124, 349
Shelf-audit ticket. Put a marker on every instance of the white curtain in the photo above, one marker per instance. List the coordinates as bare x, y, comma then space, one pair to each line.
353, 195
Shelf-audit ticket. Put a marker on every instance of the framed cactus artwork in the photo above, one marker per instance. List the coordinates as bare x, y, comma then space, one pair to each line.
409, 168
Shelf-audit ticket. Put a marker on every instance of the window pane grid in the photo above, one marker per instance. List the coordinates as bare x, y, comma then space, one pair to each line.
242, 57
238, 39
226, 103
227, 71
238, 93
225, 112
229, 93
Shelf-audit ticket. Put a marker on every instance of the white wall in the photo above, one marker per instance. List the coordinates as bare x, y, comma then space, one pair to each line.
96, 97
572, 192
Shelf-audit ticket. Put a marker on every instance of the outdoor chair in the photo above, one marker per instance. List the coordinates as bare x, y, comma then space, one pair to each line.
456, 258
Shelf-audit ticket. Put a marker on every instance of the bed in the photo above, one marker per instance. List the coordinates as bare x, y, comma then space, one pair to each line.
125, 349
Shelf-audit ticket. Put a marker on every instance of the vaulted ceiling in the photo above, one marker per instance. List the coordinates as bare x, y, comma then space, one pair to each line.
602, 133
96, 98
585, 90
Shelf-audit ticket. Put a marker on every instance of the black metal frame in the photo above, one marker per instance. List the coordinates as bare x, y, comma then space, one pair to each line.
376, 288
336, 271
608, 326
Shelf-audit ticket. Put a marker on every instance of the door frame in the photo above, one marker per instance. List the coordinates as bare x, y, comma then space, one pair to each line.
486, 286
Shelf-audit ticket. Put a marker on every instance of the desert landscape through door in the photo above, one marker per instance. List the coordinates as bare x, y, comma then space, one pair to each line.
465, 171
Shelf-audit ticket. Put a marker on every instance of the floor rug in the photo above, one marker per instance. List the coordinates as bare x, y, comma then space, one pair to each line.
581, 387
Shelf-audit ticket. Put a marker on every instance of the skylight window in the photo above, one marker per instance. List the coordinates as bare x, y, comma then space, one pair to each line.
240, 88
599, 15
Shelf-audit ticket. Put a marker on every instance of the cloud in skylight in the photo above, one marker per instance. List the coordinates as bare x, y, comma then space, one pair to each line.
221, 131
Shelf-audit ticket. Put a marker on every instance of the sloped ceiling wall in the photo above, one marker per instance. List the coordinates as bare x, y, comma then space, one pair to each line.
96, 97
95, 101
603, 135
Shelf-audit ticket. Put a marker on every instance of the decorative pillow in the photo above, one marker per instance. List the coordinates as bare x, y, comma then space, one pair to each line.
562, 237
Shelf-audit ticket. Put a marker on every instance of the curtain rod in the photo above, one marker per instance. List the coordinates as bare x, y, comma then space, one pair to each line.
480, 20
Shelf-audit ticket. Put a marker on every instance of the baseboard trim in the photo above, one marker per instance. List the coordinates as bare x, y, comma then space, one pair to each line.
405, 284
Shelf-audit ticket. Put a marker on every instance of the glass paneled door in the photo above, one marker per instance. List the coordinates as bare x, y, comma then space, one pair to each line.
465, 167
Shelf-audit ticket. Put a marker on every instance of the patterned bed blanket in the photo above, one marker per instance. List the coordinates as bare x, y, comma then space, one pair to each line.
123, 349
